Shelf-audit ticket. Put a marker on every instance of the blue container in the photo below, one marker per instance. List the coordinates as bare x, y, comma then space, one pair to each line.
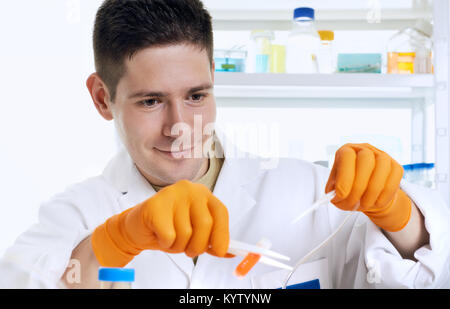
113, 274
419, 173
229, 65
359, 63
230, 60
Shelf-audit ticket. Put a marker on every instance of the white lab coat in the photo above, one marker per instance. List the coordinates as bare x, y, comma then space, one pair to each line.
262, 198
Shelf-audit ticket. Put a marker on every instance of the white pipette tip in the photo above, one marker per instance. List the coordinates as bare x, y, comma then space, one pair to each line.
237, 247
325, 199
271, 262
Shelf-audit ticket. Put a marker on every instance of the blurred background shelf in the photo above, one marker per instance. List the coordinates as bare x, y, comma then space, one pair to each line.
337, 19
338, 15
332, 86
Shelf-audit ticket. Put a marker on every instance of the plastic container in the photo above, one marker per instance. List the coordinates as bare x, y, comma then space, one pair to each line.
259, 52
303, 43
420, 173
231, 60
410, 50
115, 278
326, 56
278, 59
359, 63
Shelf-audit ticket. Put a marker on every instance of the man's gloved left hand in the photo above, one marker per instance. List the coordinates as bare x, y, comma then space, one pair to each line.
366, 175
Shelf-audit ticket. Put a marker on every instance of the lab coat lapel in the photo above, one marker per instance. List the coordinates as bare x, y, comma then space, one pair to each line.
134, 187
238, 172
232, 193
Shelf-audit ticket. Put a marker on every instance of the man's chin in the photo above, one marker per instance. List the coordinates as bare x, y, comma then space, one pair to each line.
179, 170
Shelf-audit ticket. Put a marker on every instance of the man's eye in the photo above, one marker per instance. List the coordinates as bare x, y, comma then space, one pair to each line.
197, 97
149, 102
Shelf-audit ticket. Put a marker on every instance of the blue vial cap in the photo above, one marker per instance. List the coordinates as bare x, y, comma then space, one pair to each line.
418, 166
116, 274
408, 167
304, 12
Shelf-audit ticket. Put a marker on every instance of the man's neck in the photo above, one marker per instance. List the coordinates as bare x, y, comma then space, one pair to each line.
203, 169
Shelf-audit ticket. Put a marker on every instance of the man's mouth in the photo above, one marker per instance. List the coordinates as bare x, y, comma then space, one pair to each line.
182, 154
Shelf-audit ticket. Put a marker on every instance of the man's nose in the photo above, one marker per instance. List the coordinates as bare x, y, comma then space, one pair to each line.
174, 119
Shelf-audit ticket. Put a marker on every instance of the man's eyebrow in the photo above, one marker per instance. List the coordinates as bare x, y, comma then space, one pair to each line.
207, 86
144, 93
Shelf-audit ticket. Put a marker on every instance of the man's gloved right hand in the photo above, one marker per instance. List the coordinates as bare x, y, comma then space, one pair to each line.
183, 217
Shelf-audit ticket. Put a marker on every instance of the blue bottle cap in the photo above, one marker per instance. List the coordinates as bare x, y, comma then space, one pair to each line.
304, 12
418, 166
408, 167
116, 274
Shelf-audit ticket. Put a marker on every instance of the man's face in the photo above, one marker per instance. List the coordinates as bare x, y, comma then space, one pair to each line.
162, 89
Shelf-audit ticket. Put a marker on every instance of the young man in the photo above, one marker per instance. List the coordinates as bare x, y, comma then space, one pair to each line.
169, 202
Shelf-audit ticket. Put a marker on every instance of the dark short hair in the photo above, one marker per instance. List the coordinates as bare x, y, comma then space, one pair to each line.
123, 27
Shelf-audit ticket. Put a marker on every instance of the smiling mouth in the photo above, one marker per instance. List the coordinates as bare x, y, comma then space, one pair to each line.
170, 151
182, 154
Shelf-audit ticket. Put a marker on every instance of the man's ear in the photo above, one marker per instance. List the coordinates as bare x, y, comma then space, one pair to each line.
100, 96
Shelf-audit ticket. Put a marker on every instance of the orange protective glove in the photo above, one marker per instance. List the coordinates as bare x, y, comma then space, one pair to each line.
366, 175
183, 217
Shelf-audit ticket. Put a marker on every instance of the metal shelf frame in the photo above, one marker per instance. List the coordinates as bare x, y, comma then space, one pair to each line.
441, 13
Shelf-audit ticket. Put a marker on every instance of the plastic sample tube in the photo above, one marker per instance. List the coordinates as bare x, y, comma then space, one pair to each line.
250, 260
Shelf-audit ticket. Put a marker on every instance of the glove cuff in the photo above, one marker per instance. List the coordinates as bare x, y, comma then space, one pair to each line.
110, 246
395, 216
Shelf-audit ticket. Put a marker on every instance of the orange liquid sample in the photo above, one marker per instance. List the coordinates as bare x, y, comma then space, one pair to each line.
247, 264
401, 63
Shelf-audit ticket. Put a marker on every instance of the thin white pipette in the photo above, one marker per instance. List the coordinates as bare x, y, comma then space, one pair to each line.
325, 199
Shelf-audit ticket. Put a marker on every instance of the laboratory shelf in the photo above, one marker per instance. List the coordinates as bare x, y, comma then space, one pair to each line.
337, 19
258, 85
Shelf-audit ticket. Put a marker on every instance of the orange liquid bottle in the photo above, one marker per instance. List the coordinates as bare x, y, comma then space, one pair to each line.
401, 63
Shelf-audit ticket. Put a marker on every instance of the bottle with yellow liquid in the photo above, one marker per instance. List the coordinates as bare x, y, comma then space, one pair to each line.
410, 50
326, 56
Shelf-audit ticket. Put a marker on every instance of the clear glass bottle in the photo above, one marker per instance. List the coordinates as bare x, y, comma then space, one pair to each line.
303, 43
410, 50
326, 56
115, 278
259, 52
